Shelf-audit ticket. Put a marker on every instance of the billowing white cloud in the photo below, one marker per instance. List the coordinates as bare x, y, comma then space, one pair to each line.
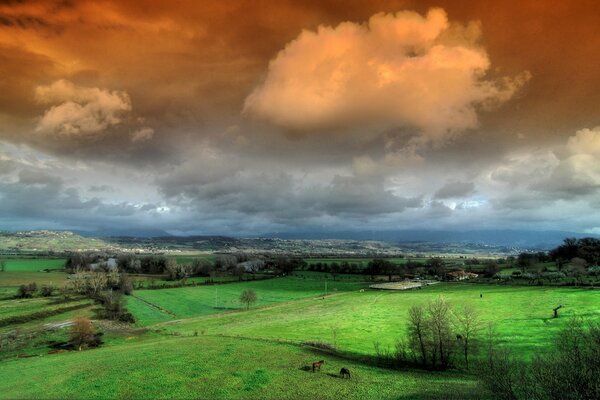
399, 69
80, 111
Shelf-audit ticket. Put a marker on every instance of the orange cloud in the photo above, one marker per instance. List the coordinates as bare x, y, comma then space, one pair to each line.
399, 69
80, 110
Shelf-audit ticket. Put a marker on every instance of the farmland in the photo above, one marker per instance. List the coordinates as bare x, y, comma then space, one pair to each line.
522, 315
215, 367
199, 340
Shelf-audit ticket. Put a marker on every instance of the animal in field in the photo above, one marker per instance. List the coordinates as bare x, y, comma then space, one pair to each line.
344, 372
317, 365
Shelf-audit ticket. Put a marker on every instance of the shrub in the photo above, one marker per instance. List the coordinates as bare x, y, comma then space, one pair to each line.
569, 370
26, 291
82, 332
47, 290
113, 306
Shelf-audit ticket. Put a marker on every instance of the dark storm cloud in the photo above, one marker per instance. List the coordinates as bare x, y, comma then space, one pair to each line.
40, 197
282, 197
454, 189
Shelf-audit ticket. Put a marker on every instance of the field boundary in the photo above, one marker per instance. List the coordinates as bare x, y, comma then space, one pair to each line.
21, 319
155, 306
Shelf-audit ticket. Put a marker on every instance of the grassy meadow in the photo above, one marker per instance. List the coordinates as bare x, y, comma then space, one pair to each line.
20, 271
200, 341
520, 315
150, 306
215, 367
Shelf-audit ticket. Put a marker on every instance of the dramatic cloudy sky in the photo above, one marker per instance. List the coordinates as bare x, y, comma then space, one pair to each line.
243, 117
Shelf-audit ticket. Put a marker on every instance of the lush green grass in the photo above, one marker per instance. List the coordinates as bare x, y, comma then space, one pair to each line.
26, 270
203, 300
8, 279
215, 367
237, 353
33, 264
521, 315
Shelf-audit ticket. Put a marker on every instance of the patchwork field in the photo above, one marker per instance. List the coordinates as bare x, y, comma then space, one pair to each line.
200, 341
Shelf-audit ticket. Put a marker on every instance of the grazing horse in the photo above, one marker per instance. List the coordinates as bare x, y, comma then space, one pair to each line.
344, 372
317, 365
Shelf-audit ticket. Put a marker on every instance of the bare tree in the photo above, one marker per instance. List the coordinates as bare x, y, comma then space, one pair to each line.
96, 281
439, 323
418, 331
468, 325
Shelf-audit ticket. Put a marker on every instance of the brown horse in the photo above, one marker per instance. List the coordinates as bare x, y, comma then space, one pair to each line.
344, 372
317, 365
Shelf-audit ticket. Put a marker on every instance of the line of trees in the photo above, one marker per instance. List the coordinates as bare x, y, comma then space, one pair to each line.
568, 369
107, 290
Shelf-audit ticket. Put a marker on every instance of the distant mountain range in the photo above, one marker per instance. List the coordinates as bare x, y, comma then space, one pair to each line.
496, 237
505, 241
131, 232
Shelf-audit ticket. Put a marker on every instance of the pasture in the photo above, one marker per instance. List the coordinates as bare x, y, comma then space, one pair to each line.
150, 306
149, 367
199, 341
520, 315
33, 264
20, 271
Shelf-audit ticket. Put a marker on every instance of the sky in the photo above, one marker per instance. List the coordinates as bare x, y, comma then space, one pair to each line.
248, 117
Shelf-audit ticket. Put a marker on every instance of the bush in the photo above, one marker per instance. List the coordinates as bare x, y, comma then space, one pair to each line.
113, 306
47, 290
26, 291
82, 332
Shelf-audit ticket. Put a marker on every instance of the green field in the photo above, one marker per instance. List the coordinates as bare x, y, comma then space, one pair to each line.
203, 300
521, 315
199, 341
33, 264
26, 270
215, 367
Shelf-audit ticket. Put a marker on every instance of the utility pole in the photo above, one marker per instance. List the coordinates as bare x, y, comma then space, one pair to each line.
325, 286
